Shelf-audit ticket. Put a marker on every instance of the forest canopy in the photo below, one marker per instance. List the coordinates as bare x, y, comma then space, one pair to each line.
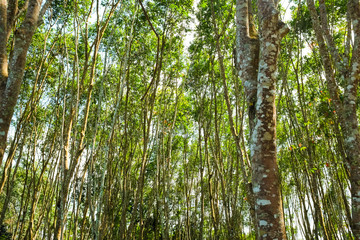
179, 119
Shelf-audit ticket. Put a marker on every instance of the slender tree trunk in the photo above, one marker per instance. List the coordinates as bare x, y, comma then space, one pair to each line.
247, 55
69, 168
346, 108
351, 126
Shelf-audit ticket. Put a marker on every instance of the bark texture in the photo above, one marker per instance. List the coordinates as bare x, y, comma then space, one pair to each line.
247, 49
257, 65
247, 62
266, 182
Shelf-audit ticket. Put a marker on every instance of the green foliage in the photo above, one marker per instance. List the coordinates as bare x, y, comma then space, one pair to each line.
4, 235
155, 146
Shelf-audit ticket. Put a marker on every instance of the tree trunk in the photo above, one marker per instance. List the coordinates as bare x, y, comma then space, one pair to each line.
265, 177
346, 108
247, 55
11, 76
351, 125
256, 58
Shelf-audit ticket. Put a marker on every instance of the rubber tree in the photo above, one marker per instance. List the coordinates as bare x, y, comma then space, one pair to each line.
346, 67
257, 55
12, 71
70, 162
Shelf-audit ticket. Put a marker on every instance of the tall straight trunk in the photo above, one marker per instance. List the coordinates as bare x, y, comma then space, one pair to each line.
251, 97
247, 61
201, 237
265, 173
256, 58
11, 75
346, 107
247, 55
351, 125
68, 169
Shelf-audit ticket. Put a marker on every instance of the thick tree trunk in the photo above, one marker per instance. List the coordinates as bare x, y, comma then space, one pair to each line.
266, 182
257, 64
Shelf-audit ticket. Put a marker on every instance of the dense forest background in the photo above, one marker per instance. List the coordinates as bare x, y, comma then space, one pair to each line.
173, 119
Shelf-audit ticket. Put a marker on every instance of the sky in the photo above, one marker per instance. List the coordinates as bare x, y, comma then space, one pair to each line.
191, 34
